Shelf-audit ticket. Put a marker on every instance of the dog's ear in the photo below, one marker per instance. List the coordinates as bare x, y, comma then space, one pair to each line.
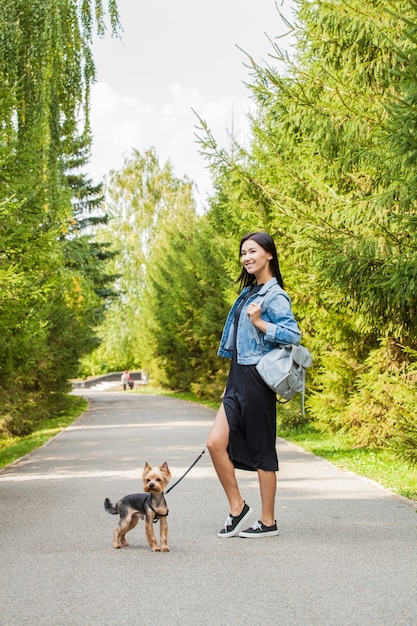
147, 467
164, 468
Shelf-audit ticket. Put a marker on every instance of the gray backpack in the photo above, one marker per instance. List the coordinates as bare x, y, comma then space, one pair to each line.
283, 370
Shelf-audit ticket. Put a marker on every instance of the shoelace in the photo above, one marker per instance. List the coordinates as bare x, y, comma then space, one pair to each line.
228, 522
257, 526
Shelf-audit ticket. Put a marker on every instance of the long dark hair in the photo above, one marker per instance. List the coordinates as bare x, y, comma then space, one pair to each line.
267, 243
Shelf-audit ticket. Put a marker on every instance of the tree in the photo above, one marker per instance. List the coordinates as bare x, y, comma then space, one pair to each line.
138, 199
327, 174
186, 299
46, 302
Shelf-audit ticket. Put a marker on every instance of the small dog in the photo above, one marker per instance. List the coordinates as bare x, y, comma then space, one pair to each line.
150, 506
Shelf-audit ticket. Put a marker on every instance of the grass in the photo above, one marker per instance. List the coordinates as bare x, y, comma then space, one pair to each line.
380, 465
13, 448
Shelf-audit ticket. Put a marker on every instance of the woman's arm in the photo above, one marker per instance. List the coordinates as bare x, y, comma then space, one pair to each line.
280, 325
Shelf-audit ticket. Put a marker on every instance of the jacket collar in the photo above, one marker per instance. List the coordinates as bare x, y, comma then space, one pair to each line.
267, 286
263, 290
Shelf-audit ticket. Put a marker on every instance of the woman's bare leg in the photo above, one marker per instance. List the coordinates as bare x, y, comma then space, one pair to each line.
268, 487
217, 443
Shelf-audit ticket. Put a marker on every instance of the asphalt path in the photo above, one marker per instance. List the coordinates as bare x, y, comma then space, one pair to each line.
346, 554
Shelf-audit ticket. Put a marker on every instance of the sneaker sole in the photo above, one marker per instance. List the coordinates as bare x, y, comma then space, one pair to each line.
271, 533
236, 530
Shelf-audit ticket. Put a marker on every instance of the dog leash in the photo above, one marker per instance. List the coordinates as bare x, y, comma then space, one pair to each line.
185, 474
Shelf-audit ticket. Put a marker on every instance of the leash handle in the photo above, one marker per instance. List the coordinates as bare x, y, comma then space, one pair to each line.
185, 474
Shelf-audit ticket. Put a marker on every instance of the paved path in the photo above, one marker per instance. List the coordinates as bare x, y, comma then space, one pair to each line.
346, 554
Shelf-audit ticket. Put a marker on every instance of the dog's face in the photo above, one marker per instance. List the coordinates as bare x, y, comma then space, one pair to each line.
155, 480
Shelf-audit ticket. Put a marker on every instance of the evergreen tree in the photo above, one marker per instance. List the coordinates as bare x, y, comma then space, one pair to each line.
327, 175
185, 293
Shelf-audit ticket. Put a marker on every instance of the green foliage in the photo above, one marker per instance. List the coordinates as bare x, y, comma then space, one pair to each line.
52, 279
184, 292
171, 278
328, 174
335, 382
321, 132
65, 410
138, 199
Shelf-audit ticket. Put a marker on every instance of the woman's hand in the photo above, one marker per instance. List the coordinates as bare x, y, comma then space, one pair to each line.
254, 313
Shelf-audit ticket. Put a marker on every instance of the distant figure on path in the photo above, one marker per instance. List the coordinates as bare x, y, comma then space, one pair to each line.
130, 381
244, 430
124, 379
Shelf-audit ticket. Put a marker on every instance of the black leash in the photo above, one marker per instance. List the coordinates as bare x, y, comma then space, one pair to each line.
185, 474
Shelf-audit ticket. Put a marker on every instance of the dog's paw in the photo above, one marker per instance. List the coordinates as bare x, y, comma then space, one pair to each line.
165, 549
155, 549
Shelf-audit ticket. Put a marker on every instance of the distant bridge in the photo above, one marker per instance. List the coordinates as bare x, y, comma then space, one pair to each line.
109, 380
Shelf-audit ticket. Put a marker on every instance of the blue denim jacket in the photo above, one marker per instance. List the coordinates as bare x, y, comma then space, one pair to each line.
252, 343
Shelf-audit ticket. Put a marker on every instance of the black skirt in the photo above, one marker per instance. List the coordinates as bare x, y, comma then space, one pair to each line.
250, 407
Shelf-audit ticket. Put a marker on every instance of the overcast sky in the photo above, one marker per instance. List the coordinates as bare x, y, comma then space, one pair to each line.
174, 57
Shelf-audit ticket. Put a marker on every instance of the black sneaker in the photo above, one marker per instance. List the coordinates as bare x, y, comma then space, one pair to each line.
260, 530
234, 524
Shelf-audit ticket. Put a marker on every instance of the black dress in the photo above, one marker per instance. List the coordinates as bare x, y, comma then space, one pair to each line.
250, 407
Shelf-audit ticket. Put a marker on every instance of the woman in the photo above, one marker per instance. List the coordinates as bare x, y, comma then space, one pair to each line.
244, 430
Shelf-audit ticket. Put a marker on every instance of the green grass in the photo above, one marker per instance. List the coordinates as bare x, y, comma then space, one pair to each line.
12, 448
381, 465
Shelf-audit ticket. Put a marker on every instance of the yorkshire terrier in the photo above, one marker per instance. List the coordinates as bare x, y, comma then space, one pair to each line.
150, 505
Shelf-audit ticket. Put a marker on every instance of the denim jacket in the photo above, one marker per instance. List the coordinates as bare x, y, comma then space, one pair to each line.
252, 343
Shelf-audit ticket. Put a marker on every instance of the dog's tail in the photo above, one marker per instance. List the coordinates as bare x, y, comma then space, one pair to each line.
111, 508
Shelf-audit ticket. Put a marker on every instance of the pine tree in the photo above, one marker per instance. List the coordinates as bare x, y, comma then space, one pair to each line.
327, 175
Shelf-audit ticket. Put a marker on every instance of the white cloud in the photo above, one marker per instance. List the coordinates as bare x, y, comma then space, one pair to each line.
121, 123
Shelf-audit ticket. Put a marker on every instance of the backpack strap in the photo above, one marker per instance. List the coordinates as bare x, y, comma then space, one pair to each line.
303, 391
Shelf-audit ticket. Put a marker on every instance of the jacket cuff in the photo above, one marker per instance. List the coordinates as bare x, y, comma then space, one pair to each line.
271, 330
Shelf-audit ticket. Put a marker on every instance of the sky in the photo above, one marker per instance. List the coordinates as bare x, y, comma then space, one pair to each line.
174, 57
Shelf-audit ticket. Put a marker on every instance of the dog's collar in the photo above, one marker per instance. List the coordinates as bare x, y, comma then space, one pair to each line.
158, 515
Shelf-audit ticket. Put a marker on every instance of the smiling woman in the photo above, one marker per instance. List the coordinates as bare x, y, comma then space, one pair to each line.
243, 435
